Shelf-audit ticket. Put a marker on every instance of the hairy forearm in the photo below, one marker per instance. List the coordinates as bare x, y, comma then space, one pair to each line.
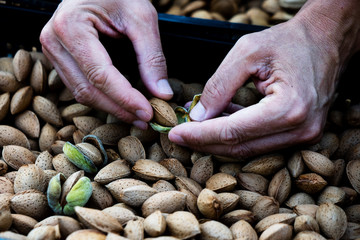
335, 24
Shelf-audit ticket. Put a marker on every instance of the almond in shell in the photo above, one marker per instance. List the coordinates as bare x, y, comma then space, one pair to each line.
164, 114
332, 220
8, 82
277, 231
353, 174
30, 176
174, 166
22, 223
111, 133
253, 182
31, 203
16, 156
112, 171
135, 196
122, 214
221, 182
155, 224
247, 198
202, 170
209, 204
12, 136
310, 183
47, 110
305, 223
87, 123
47, 137
166, 202
131, 149
318, 163
100, 198
22, 64
268, 221
236, 215
38, 78
280, 186
74, 110
28, 123
6, 186
151, 170
183, 224
265, 165
97, 219
4, 105
243, 230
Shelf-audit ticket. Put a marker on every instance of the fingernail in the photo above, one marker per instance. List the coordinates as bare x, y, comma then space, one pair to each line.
198, 112
143, 115
164, 87
140, 124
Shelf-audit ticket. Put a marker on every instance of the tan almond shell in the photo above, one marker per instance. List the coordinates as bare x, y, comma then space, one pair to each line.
12, 136
164, 114
17, 156
28, 123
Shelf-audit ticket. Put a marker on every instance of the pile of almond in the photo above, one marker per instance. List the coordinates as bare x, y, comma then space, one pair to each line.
256, 12
151, 188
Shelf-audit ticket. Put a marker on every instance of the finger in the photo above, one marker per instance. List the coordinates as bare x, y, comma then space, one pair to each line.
221, 87
75, 80
150, 57
81, 40
254, 147
244, 125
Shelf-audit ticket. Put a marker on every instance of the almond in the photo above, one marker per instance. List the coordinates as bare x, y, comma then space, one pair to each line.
28, 123
17, 156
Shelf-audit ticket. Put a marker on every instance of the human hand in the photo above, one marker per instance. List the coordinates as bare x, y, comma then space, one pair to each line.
295, 66
71, 42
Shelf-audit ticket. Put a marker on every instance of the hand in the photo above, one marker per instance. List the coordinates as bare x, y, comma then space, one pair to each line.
294, 65
71, 41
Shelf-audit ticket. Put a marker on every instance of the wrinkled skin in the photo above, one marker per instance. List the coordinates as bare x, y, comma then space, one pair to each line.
295, 65
71, 42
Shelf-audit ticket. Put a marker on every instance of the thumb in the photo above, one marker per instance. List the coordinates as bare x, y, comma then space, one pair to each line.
222, 86
151, 60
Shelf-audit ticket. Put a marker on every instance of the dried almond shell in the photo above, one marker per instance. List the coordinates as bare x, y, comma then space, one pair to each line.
164, 114
97, 219
166, 202
151, 170
4, 105
17, 156
28, 123
47, 110
12, 136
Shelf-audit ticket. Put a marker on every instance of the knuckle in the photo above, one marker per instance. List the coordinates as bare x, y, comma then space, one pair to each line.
215, 89
45, 37
60, 24
231, 134
97, 76
242, 152
156, 59
84, 94
296, 115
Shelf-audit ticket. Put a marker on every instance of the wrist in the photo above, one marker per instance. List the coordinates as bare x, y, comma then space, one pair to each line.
334, 25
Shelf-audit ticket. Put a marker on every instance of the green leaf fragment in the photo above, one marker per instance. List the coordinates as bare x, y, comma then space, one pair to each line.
78, 158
